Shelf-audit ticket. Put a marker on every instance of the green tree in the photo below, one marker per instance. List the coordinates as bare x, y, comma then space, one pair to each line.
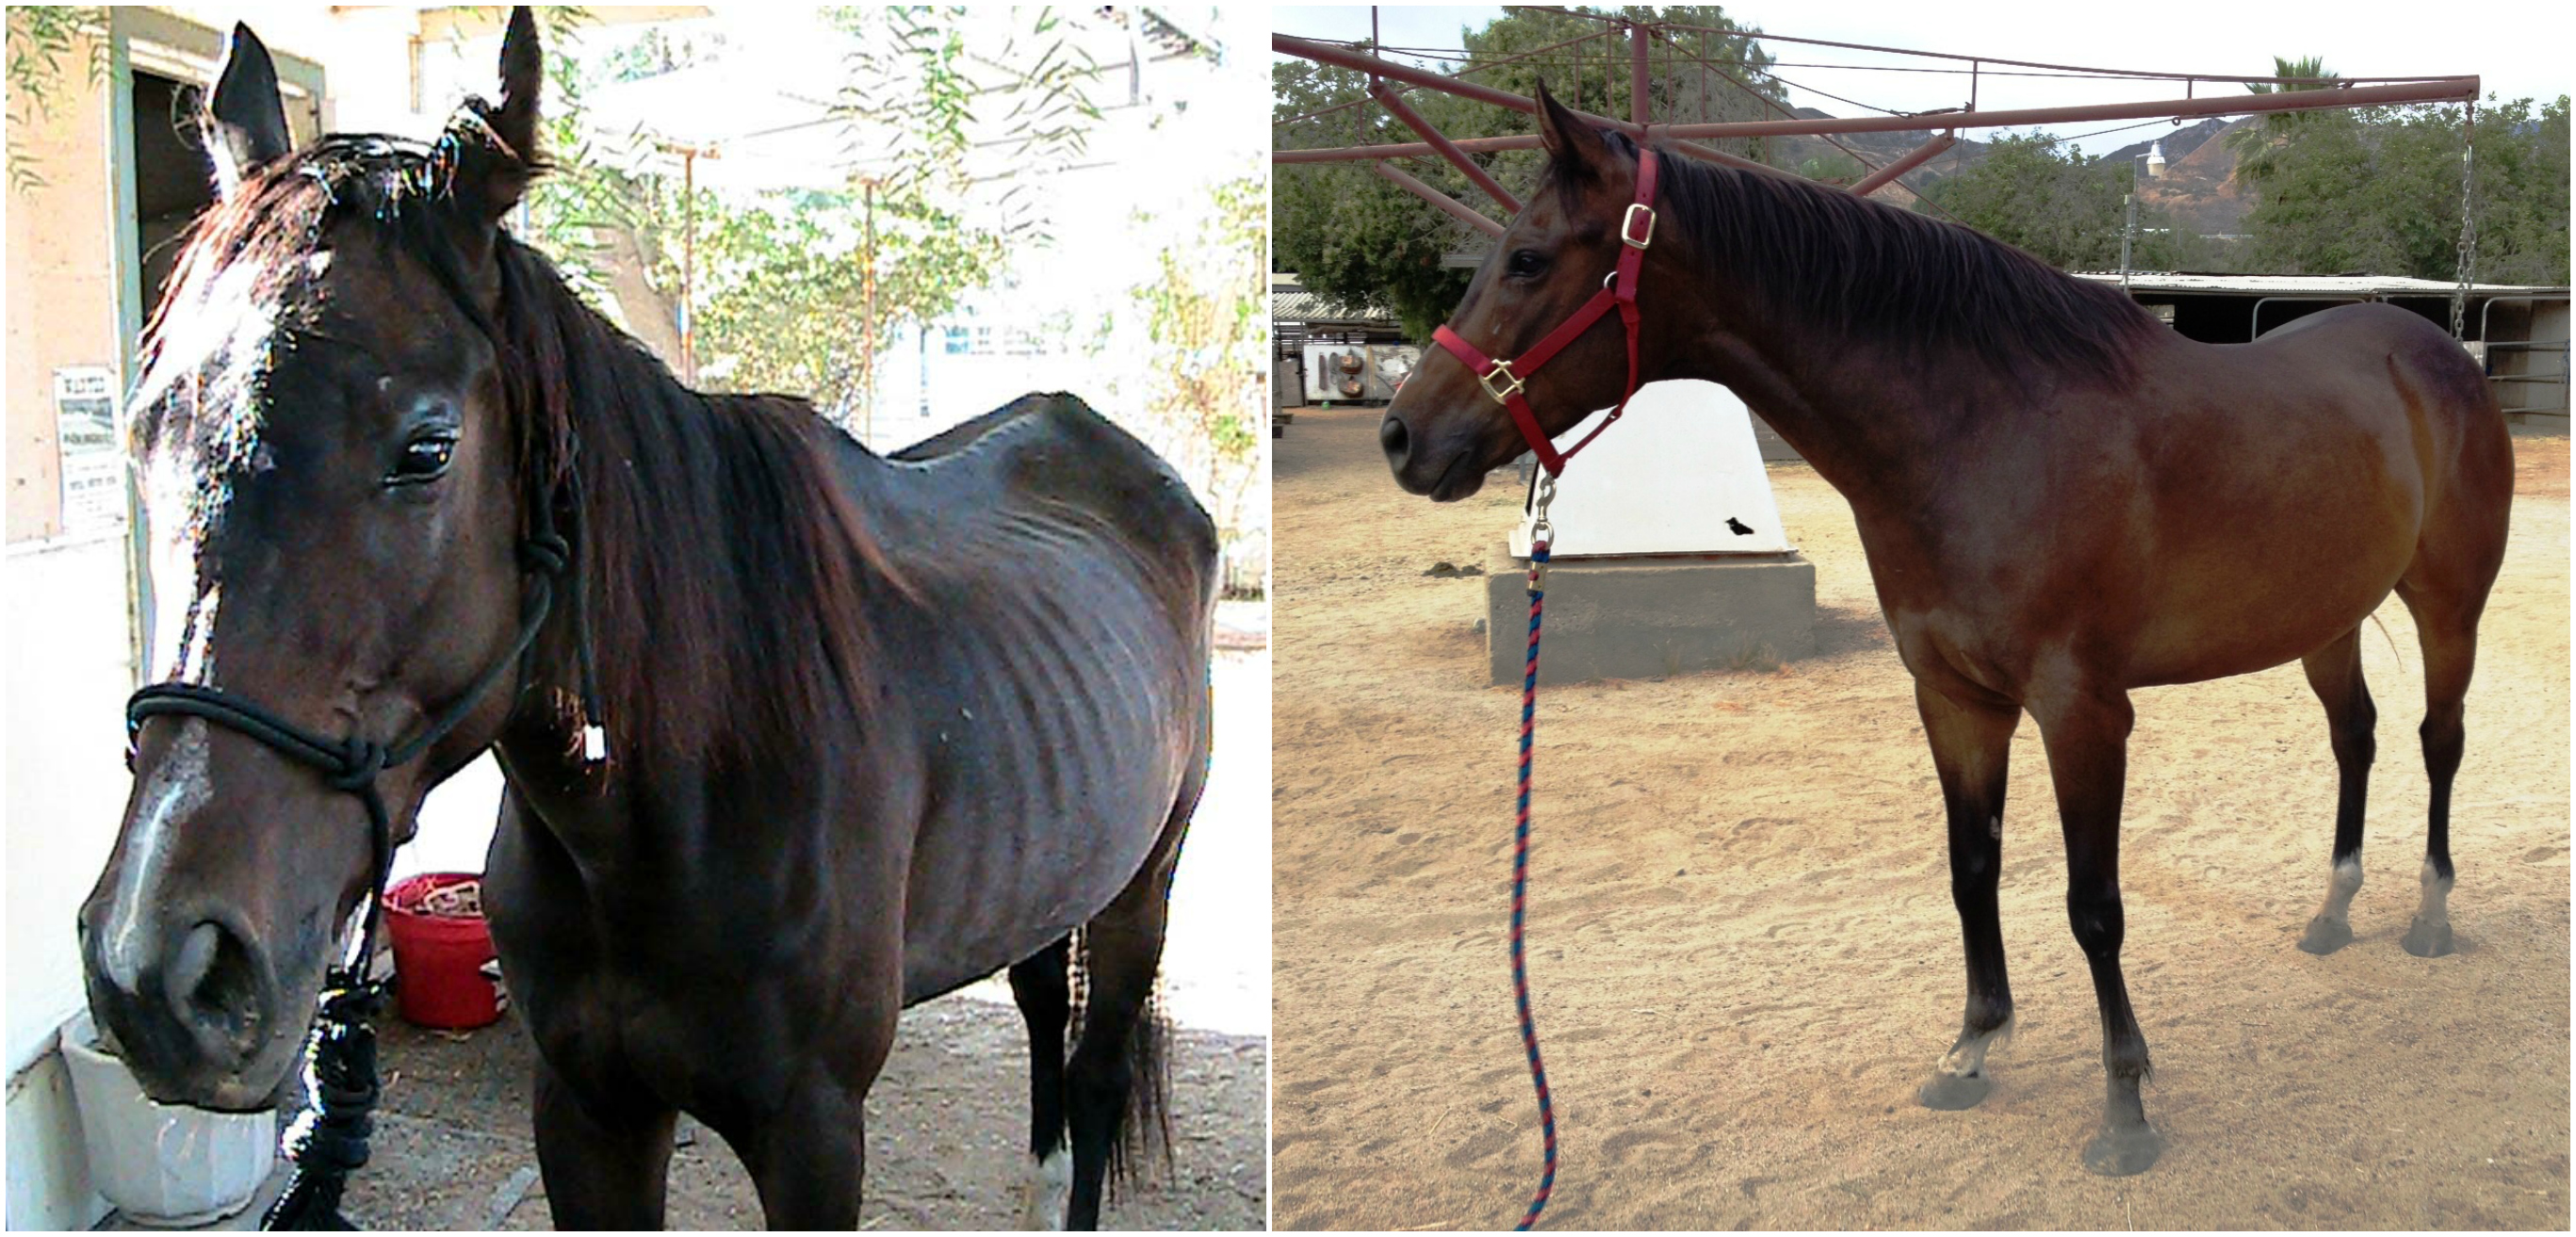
2039, 194
39, 36
2378, 190
1835, 168
1207, 313
794, 285
1355, 237
2254, 143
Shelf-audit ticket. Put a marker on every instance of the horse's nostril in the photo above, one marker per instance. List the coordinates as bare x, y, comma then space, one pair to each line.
214, 984
1391, 435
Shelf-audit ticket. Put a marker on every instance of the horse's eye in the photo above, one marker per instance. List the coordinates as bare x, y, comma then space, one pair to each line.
1526, 262
423, 459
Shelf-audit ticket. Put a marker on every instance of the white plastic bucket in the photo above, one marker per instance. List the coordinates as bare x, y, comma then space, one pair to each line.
162, 1164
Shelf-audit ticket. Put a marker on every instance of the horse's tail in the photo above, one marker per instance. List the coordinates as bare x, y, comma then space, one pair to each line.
1145, 1129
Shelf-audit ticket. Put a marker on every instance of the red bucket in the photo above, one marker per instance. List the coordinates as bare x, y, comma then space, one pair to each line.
440, 957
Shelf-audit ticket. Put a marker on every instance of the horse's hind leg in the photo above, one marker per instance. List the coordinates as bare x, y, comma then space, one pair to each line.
2456, 560
1042, 986
1115, 1085
2450, 641
1970, 747
2335, 672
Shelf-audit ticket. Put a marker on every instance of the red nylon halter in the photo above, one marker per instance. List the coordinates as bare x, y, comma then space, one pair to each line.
1619, 290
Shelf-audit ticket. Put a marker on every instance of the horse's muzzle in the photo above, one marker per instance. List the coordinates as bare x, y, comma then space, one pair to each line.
190, 1004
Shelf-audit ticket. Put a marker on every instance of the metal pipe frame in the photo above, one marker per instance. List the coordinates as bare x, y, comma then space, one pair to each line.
1911, 160
2141, 74
1344, 58
1476, 174
2529, 346
2255, 320
2445, 90
2533, 301
1766, 101
1638, 112
1456, 209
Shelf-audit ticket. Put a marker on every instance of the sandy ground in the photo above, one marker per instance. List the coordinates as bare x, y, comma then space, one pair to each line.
948, 1120
1745, 955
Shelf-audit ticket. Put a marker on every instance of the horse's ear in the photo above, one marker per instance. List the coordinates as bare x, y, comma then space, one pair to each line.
1572, 144
523, 75
245, 117
497, 178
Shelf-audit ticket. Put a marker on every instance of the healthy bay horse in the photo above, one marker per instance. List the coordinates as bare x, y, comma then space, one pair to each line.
2060, 499
877, 728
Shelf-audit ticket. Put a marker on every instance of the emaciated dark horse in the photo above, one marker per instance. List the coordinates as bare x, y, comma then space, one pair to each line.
877, 727
2060, 500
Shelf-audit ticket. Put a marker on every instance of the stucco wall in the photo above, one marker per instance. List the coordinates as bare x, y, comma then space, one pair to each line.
62, 304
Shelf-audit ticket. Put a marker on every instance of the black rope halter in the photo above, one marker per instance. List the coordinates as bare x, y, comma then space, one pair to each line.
330, 1139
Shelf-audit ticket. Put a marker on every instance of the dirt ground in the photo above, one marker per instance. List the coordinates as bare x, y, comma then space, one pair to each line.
946, 1125
1743, 949
948, 1119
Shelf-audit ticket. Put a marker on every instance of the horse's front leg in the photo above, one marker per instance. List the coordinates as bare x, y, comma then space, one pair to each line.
1971, 745
2087, 734
603, 1141
807, 1157
605, 1161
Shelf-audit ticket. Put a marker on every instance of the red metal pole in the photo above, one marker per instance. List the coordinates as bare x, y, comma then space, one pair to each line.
1456, 209
2446, 90
1913, 159
2069, 68
1345, 58
1396, 107
1637, 109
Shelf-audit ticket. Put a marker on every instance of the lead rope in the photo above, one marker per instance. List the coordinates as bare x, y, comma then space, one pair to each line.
1541, 533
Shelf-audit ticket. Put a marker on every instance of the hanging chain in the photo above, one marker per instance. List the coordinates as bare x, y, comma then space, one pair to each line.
2468, 223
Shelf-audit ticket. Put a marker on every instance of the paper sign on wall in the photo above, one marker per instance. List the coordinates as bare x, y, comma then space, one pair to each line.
85, 435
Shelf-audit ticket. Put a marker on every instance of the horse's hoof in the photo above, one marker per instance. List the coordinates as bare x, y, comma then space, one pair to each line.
2428, 940
2326, 935
1955, 1092
2123, 1151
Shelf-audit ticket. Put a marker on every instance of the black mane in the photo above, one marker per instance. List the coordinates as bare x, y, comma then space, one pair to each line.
1825, 260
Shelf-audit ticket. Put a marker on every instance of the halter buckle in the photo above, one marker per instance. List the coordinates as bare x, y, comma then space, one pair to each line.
1503, 396
1628, 226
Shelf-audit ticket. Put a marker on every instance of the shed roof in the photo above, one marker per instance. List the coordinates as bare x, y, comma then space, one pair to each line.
1291, 302
2303, 285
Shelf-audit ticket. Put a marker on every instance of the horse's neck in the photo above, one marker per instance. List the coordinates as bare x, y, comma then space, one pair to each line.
1869, 418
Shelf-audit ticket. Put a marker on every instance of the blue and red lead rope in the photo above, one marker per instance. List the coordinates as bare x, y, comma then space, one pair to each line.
1520, 889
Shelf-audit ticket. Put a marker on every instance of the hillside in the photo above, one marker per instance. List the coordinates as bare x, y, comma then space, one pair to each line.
2198, 190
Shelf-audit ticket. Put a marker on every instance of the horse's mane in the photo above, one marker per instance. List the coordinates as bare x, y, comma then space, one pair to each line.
726, 566
1825, 260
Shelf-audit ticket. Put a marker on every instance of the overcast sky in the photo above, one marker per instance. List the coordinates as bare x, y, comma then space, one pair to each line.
2515, 46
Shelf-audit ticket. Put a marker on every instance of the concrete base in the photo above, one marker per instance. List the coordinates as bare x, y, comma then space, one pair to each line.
1648, 616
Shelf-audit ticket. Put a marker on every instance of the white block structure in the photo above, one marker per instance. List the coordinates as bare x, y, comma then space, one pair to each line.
1669, 557
1665, 480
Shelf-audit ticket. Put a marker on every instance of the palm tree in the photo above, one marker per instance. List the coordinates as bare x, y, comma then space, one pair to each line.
2254, 142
